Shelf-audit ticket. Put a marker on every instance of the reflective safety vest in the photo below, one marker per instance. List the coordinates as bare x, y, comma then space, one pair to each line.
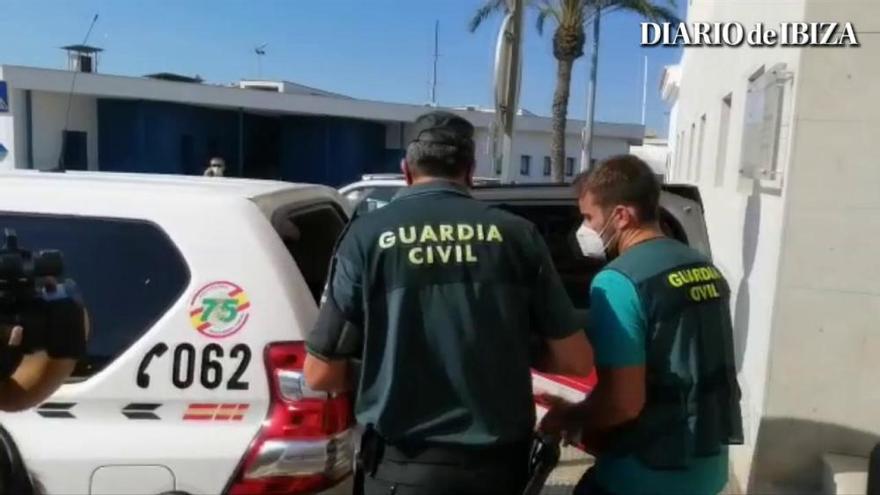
692, 395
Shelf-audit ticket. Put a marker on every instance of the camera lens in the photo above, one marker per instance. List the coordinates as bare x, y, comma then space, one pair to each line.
48, 263
11, 266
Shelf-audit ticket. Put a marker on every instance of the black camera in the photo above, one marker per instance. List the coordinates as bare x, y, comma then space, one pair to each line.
23, 274
38, 310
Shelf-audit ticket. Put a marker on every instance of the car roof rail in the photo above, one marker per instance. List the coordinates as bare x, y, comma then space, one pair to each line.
381, 176
688, 191
487, 180
520, 185
393, 176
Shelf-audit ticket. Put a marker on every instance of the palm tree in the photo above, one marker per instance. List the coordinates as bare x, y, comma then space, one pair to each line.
568, 45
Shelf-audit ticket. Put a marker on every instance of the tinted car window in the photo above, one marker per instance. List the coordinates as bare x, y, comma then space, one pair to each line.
557, 225
129, 273
310, 236
372, 198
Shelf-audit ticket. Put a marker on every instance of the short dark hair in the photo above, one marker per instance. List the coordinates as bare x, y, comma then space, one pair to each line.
439, 160
623, 179
443, 145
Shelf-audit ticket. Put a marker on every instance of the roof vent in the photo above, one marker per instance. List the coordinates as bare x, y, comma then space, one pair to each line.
82, 58
170, 76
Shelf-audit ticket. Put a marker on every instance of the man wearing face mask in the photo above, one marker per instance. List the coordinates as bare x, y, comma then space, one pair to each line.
667, 401
440, 295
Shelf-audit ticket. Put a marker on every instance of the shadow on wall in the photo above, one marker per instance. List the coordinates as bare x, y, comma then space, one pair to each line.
751, 229
788, 453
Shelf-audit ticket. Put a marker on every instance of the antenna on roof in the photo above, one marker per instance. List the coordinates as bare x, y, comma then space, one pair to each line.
436, 56
260, 51
645, 91
61, 164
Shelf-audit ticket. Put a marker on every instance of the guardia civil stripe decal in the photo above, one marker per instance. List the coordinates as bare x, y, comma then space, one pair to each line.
56, 410
215, 412
140, 411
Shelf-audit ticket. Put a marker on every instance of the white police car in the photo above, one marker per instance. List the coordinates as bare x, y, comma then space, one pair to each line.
376, 190
200, 291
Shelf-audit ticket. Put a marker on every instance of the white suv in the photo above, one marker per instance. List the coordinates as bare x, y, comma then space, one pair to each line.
200, 291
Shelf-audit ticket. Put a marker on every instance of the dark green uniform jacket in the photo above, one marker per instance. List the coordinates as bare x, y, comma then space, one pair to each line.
439, 294
692, 408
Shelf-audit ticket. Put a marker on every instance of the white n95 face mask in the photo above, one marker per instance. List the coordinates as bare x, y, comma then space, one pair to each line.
590, 242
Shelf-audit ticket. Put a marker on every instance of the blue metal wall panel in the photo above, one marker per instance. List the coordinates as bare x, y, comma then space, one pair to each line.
160, 137
144, 136
118, 136
330, 150
390, 162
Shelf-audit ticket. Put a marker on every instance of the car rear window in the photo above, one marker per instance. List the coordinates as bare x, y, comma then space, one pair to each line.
310, 234
129, 273
372, 198
557, 224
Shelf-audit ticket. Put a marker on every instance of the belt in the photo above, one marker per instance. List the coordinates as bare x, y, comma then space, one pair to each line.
456, 469
458, 454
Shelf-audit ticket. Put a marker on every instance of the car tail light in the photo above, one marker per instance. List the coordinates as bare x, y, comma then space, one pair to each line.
306, 443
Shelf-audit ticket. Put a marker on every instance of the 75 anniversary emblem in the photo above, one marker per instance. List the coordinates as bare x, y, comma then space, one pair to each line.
219, 309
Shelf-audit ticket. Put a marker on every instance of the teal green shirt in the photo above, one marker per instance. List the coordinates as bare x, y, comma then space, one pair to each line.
617, 331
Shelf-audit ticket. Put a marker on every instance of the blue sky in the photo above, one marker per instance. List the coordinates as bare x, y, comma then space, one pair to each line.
374, 49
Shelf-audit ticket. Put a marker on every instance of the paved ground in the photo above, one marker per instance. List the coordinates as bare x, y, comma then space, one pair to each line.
572, 464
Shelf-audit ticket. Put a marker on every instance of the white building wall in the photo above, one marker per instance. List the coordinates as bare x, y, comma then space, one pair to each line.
484, 153
673, 142
49, 110
655, 154
526, 142
19, 129
669, 91
8, 136
50, 89
822, 394
800, 250
745, 224
537, 146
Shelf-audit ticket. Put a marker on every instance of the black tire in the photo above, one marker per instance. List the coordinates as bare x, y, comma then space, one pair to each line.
14, 477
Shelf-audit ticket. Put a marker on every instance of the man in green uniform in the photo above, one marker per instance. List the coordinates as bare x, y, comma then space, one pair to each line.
667, 401
440, 296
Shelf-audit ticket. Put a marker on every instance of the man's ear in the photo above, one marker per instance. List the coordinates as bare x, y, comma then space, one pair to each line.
407, 174
469, 179
629, 219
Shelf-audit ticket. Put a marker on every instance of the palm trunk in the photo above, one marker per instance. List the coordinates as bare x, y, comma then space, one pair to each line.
560, 114
594, 71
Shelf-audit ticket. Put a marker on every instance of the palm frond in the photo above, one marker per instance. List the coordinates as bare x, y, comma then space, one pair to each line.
572, 12
647, 9
486, 11
545, 10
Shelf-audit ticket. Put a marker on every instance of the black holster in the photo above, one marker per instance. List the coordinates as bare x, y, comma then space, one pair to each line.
543, 458
370, 452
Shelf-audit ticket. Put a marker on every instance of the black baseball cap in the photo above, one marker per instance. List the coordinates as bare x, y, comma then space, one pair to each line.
443, 128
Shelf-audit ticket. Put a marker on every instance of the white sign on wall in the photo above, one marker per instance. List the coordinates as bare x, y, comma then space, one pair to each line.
763, 122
